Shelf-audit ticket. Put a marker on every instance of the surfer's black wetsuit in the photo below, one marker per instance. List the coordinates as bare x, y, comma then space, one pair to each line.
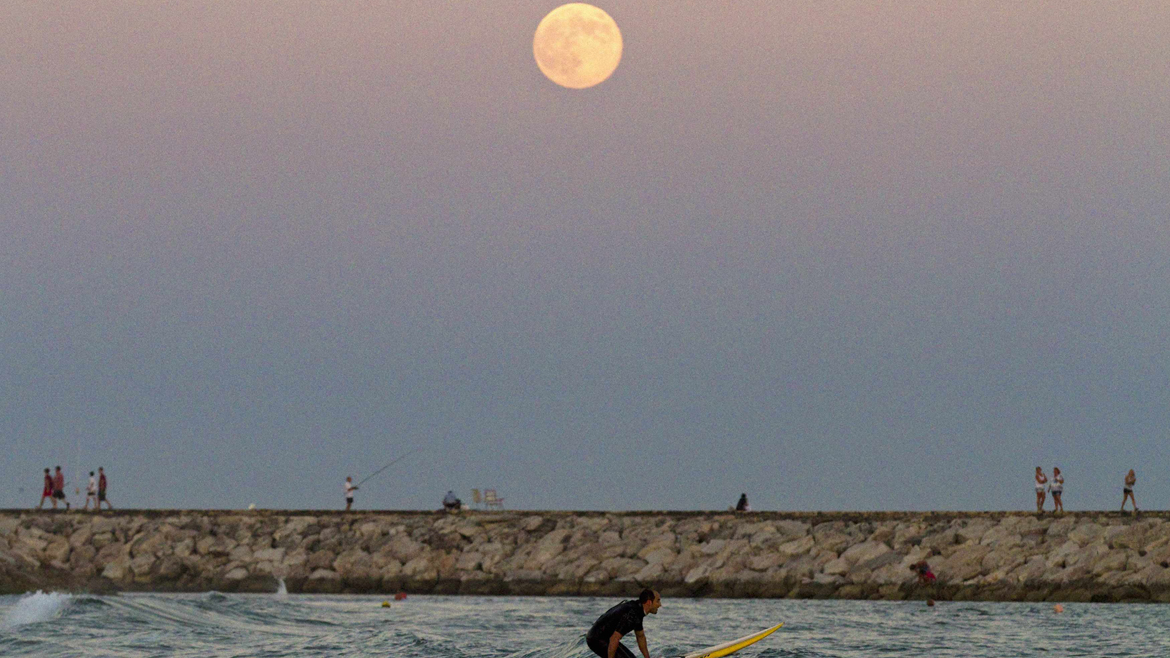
623, 618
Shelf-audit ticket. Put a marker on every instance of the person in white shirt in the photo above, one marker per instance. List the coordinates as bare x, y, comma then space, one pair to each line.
1041, 480
350, 487
91, 493
1057, 488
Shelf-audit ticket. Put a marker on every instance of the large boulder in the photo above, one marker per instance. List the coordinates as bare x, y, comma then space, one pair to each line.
963, 564
864, 552
549, 547
973, 531
1086, 533
796, 547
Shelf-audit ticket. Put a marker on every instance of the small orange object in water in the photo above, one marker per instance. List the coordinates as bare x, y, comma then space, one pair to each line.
1058, 608
400, 596
930, 602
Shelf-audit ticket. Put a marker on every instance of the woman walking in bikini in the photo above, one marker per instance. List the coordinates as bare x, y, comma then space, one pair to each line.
1127, 490
1041, 480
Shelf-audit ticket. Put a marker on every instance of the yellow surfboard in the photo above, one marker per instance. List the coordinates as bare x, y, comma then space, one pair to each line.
728, 648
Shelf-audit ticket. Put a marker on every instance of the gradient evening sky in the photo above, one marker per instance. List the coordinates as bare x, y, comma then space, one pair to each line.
836, 255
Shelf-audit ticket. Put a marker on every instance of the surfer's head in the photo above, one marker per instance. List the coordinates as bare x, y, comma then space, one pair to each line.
650, 600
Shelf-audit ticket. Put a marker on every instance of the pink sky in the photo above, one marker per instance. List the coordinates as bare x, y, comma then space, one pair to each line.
833, 231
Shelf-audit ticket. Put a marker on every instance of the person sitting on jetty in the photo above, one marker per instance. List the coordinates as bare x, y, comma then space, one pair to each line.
742, 505
350, 487
451, 503
47, 491
925, 575
1127, 490
604, 638
1057, 488
1041, 480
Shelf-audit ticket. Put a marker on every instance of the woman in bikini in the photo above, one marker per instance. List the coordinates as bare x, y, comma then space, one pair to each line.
1127, 490
1041, 480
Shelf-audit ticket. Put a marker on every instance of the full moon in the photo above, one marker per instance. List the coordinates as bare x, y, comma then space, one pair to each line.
577, 45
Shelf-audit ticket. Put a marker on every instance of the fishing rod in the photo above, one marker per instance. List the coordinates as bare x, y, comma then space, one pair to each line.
388, 466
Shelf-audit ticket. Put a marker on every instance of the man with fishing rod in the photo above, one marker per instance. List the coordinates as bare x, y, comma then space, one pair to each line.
350, 487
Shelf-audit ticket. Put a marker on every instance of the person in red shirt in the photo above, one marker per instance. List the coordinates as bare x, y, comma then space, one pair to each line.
102, 489
59, 489
925, 575
47, 492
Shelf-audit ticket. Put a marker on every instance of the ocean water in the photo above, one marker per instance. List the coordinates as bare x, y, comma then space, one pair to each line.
50, 624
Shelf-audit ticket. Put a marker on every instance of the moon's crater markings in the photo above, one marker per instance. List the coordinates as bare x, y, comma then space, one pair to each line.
577, 45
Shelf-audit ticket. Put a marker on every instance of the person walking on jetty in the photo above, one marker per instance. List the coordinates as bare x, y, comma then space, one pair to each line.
350, 487
91, 493
1041, 480
604, 638
102, 484
1127, 490
59, 489
1057, 488
47, 491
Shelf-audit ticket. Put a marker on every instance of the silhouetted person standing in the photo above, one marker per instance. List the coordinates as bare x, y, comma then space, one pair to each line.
742, 505
102, 489
47, 491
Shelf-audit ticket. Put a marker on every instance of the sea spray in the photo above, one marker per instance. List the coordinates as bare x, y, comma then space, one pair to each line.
281, 590
36, 607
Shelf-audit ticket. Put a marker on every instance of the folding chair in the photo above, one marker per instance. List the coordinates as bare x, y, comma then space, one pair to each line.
490, 499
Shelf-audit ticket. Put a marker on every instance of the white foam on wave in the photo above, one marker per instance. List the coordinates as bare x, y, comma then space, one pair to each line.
281, 590
36, 607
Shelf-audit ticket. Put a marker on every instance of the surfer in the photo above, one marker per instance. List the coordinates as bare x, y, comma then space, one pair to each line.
604, 638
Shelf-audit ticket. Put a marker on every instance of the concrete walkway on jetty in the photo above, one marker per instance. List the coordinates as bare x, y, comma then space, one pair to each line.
1002, 556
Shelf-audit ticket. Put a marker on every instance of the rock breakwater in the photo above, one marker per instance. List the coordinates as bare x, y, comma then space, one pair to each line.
986, 556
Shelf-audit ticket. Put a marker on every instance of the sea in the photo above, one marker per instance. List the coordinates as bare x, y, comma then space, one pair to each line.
281, 624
